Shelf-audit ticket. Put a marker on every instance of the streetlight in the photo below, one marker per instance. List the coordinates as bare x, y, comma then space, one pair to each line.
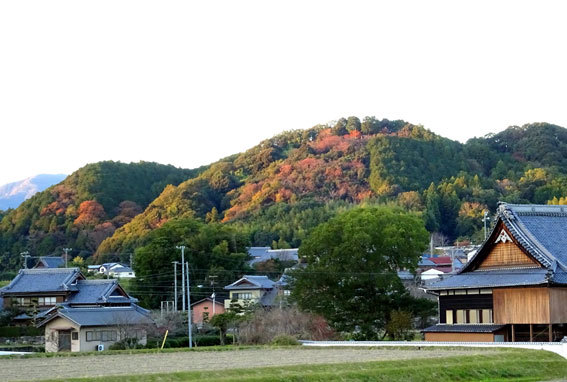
485, 220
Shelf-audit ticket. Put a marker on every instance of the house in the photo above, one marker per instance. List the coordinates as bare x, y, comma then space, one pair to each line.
50, 262
122, 272
91, 329
203, 310
261, 254
251, 290
116, 270
37, 291
432, 274
514, 288
93, 269
41, 288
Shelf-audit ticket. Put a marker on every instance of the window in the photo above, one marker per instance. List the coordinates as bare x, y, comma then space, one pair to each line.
486, 291
486, 316
449, 316
286, 292
443, 293
473, 291
474, 316
74, 336
46, 301
21, 301
461, 319
460, 292
241, 296
102, 335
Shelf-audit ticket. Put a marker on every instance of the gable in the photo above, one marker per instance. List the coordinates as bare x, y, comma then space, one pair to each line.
502, 250
506, 254
246, 284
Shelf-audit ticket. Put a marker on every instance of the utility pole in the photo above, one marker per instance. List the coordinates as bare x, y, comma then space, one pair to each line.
25, 255
485, 219
175, 284
182, 248
66, 250
189, 329
214, 296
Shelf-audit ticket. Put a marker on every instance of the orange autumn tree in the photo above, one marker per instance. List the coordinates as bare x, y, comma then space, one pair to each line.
90, 213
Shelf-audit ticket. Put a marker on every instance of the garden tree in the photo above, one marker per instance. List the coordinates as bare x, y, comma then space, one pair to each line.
400, 325
432, 215
210, 249
223, 322
351, 277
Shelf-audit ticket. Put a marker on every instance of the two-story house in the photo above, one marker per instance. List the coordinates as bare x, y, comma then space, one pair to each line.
515, 287
36, 291
250, 290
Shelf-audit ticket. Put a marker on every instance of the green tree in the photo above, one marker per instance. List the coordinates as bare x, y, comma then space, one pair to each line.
351, 278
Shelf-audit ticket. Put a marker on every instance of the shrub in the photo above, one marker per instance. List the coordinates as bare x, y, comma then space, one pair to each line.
285, 340
265, 325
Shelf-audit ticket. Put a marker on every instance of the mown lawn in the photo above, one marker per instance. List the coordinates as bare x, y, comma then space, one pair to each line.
511, 365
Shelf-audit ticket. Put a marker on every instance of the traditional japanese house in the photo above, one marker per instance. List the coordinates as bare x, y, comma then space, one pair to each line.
515, 287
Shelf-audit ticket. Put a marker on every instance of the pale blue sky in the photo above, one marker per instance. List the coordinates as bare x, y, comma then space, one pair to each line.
187, 83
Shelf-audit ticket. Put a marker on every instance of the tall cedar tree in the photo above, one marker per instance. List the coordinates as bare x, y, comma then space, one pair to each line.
351, 278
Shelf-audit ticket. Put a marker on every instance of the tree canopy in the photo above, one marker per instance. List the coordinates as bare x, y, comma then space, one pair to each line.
351, 277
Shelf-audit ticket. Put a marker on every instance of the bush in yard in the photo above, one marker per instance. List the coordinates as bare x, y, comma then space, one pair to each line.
400, 325
265, 325
285, 340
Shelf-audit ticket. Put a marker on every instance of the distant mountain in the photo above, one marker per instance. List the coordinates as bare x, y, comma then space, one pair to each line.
13, 194
277, 191
83, 209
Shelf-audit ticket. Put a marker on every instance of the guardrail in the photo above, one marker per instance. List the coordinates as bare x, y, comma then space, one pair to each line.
555, 347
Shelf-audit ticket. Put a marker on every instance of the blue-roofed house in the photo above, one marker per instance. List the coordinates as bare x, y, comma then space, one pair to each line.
514, 288
50, 262
35, 292
261, 254
251, 290
91, 329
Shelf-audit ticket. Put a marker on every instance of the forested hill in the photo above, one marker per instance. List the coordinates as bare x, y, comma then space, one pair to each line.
84, 209
276, 192
279, 190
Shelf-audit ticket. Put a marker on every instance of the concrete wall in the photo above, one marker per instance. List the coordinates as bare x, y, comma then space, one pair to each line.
198, 310
52, 334
81, 345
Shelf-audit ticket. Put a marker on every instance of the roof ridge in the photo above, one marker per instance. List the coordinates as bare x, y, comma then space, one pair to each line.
49, 270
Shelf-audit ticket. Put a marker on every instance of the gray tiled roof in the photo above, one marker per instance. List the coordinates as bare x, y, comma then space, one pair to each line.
43, 280
269, 297
259, 282
493, 278
121, 270
261, 254
107, 316
540, 229
465, 328
52, 261
96, 292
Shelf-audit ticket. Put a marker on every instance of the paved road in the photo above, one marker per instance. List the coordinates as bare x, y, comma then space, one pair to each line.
28, 369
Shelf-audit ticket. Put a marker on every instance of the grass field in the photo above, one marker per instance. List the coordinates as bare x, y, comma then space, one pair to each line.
299, 364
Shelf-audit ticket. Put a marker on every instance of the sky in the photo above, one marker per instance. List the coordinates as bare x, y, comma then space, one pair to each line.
189, 82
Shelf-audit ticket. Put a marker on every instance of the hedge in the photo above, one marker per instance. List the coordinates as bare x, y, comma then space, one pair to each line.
180, 342
20, 331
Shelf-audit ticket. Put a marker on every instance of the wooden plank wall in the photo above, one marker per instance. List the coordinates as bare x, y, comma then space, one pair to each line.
460, 337
558, 304
506, 254
521, 306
